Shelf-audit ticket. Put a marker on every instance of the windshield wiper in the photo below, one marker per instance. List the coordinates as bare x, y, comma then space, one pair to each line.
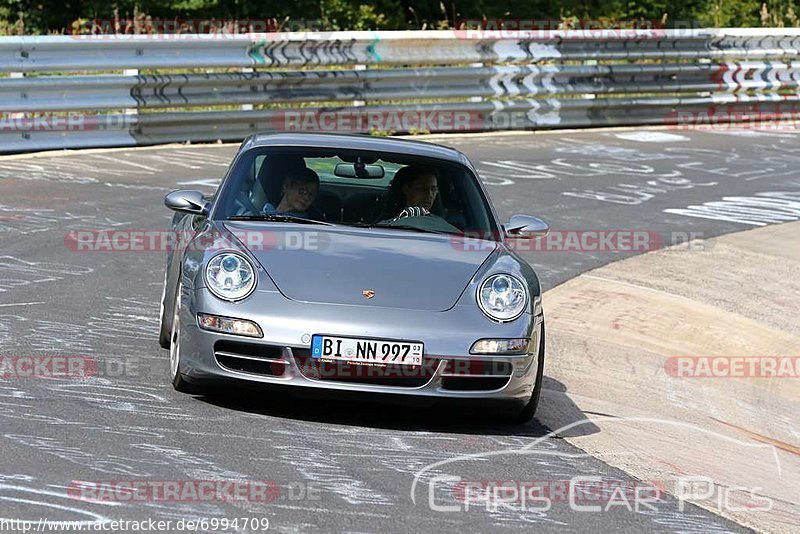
278, 218
408, 227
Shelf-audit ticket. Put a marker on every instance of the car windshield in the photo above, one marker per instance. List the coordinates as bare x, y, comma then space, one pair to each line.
346, 187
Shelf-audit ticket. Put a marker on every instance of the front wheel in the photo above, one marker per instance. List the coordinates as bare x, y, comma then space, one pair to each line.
177, 379
526, 413
164, 327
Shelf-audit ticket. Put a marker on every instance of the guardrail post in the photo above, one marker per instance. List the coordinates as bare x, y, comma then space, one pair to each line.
590, 96
358, 103
247, 107
131, 72
476, 98
18, 114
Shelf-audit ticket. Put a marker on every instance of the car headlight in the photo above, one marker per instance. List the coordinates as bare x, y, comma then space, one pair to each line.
229, 325
502, 297
500, 346
230, 276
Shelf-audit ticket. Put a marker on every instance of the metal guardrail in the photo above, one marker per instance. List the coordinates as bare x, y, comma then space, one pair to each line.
443, 80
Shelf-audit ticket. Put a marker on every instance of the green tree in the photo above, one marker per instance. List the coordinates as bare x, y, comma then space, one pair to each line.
45, 16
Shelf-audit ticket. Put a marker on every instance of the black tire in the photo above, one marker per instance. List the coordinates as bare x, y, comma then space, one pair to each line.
526, 413
176, 377
165, 323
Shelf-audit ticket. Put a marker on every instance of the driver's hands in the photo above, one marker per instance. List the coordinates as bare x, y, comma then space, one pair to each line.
412, 212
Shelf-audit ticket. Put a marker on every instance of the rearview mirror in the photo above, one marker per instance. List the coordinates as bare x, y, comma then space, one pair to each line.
358, 170
187, 202
526, 227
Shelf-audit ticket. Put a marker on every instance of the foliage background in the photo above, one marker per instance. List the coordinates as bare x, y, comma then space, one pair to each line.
31, 17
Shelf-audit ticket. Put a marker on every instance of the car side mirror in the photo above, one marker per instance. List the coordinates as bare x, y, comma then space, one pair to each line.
526, 227
187, 202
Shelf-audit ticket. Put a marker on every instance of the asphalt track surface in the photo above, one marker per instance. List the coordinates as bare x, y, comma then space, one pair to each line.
341, 465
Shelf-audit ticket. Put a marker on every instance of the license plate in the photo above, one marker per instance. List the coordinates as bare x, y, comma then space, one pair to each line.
370, 351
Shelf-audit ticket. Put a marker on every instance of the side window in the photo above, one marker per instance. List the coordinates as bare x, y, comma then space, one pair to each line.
249, 197
476, 218
258, 161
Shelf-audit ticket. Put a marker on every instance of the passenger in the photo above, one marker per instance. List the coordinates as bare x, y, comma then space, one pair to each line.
300, 188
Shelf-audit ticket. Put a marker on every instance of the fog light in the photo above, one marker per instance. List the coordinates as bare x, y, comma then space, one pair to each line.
500, 346
228, 325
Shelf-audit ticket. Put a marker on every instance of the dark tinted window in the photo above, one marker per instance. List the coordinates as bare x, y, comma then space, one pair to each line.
352, 188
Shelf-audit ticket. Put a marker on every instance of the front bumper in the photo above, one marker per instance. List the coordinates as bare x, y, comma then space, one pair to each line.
281, 357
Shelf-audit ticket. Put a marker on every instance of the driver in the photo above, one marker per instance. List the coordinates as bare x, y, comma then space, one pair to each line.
419, 187
300, 188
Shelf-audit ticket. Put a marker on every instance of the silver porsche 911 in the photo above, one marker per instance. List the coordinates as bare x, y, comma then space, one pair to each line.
343, 262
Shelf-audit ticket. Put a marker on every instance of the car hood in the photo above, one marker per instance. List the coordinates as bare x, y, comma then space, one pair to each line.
330, 265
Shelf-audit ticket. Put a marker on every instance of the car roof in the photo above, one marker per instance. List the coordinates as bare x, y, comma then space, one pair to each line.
356, 142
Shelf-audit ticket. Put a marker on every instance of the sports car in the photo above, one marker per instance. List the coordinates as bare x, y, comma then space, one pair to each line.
360, 263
